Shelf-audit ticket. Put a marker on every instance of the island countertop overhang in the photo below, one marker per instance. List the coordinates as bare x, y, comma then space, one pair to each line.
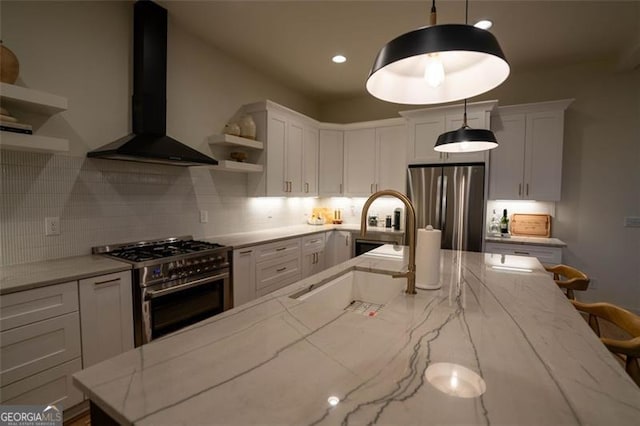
512, 326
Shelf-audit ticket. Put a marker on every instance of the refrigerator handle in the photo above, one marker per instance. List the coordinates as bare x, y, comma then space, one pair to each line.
443, 206
438, 205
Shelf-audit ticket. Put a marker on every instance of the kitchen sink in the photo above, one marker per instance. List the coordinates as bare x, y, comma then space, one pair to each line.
358, 291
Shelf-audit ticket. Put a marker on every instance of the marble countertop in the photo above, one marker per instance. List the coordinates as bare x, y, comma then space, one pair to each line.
533, 241
48, 272
246, 239
277, 360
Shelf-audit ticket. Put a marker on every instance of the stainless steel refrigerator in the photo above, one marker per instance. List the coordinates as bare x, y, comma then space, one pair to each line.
450, 198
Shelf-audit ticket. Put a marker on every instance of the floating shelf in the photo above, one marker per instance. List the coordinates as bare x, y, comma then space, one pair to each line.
235, 166
230, 140
35, 143
13, 96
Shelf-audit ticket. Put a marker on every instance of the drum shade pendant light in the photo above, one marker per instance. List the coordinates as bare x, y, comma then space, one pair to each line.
466, 139
437, 64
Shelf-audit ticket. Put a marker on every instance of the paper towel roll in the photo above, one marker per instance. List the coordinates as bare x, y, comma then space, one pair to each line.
428, 259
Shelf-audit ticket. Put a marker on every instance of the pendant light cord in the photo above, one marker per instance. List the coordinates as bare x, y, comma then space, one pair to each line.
433, 17
466, 12
464, 117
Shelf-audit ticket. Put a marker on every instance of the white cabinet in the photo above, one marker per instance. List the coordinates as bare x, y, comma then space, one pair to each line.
527, 164
338, 247
40, 346
244, 276
313, 254
290, 157
106, 315
425, 125
374, 159
545, 254
331, 163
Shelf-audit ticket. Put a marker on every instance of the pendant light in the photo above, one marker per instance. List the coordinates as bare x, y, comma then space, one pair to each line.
437, 64
466, 139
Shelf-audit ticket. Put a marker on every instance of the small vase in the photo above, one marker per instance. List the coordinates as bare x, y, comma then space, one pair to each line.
232, 129
9, 65
247, 127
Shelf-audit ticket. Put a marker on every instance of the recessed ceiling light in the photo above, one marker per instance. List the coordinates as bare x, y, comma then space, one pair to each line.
484, 24
339, 59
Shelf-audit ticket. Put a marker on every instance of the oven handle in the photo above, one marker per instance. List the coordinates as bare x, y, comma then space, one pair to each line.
152, 294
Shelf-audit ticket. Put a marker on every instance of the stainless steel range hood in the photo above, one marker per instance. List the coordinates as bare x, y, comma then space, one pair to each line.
149, 142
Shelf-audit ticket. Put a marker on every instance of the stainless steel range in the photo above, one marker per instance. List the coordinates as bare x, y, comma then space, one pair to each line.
176, 282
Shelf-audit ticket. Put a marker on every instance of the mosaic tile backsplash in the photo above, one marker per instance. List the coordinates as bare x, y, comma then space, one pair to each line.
104, 201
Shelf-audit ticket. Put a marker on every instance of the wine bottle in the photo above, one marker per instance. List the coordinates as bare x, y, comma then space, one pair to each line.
504, 223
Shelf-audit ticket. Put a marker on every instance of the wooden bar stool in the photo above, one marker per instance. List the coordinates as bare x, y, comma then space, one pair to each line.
573, 279
627, 350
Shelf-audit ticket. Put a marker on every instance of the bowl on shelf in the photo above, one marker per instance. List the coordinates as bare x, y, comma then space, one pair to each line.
238, 156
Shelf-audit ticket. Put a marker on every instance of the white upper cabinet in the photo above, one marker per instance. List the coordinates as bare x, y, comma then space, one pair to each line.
375, 158
290, 157
425, 125
331, 163
527, 165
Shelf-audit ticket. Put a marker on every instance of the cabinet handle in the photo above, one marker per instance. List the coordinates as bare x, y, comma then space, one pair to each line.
346, 240
527, 190
306, 187
281, 269
281, 248
246, 252
101, 283
290, 186
340, 188
519, 190
376, 187
371, 188
313, 241
521, 252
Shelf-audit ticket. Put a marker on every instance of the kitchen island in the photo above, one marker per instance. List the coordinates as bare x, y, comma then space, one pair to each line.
279, 359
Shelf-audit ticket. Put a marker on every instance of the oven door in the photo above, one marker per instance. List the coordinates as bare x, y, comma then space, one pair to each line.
171, 306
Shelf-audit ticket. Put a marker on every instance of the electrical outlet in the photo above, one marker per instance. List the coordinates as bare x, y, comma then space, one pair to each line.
51, 226
204, 216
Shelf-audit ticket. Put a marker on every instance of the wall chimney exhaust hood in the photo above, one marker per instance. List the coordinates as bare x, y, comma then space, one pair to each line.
149, 142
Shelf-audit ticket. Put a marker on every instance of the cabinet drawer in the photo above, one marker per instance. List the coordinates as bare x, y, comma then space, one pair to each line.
548, 255
277, 250
25, 307
271, 276
52, 386
313, 243
35, 347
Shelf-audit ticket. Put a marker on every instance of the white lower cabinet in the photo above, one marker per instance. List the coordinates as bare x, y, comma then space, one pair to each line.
106, 315
40, 345
545, 254
274, 274
313, 256
338, 248
244, 276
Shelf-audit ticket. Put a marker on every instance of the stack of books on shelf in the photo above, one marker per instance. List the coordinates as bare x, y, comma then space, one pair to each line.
10, 124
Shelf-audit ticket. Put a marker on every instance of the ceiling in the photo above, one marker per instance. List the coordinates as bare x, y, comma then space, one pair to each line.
293, 41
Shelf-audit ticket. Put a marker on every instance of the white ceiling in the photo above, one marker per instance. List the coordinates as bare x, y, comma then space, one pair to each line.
293, 41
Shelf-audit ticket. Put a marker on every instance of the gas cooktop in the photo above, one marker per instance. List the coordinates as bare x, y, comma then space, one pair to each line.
144, 251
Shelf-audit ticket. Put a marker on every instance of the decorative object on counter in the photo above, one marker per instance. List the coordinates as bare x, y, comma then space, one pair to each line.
238, 156
247, 127
9, 65
337, 217
504, 224
232, 129
387, 221
316, 220
397, 214
373, 220
438, 64
324, 212
531, 225
494, 225
428, 259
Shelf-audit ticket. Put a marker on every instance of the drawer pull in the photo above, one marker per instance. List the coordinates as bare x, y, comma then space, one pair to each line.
101, 283
521, 252
281, 269
246, 252
281, 248
313, 241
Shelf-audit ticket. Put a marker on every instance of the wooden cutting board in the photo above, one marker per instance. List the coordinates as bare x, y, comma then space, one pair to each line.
531, 225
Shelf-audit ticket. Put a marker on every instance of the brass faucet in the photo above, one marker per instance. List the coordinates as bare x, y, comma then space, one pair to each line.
411, 233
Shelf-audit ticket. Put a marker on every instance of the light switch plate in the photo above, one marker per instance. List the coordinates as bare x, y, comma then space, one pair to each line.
51, 226
632, 221
204, 216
